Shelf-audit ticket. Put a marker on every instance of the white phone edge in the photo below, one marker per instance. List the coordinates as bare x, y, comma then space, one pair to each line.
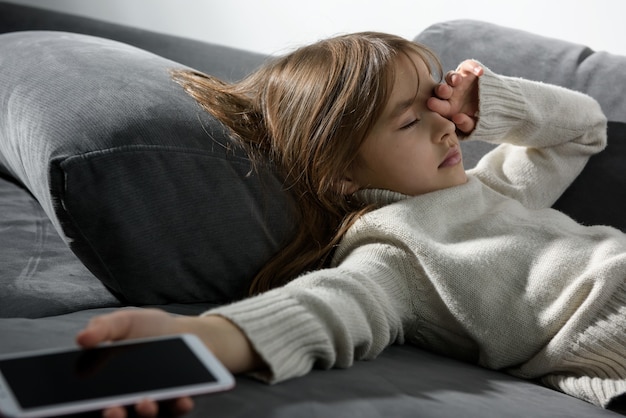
10, 408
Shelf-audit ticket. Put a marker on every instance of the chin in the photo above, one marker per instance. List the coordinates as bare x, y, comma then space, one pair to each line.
461, 178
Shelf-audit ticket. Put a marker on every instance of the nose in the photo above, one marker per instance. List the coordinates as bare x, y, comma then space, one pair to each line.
442, 129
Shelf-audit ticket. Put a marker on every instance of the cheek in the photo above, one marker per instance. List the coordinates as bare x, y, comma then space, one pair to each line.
415, 153
370, 155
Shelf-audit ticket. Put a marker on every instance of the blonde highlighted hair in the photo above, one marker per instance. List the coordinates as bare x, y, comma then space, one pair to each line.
308, 112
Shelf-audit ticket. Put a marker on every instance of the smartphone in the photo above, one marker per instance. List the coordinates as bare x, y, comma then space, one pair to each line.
66, 381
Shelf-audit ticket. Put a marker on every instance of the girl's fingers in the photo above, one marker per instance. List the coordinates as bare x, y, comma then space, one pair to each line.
126, 324
176, 407
441, 106
94, 333
182, 406
114, 412
443, 91
464, 123
134, 323
453, 78
147, 408
472, 67
111, 327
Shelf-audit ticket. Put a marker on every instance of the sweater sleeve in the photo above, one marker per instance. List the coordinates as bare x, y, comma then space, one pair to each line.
328, 318
547, 134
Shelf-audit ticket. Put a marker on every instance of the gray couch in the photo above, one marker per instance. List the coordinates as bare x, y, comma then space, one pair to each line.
116, 190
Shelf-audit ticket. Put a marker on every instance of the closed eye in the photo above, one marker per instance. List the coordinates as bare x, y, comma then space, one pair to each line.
410, 124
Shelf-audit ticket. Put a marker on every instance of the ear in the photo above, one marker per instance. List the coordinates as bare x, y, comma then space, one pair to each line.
347, 186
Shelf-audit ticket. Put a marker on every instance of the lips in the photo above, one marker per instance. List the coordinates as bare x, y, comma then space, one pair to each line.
452, 158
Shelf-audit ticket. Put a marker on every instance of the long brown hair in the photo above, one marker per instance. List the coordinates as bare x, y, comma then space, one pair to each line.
308, 112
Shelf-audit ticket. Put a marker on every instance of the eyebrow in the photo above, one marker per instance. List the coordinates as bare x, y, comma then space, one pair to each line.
401, 106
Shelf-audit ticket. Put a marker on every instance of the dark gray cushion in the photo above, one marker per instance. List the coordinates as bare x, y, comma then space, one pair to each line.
596, 196
141, 183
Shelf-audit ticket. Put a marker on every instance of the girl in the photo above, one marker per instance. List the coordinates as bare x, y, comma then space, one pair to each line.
398, 243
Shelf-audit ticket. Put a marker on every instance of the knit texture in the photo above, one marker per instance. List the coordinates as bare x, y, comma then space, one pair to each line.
484, 272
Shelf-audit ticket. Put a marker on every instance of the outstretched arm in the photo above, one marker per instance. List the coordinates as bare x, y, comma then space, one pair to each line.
222, 337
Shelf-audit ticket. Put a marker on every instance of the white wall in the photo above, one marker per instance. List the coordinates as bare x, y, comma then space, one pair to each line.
275, 26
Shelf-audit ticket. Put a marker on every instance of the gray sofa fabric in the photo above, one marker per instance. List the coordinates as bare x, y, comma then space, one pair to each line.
39, 275
47, 294
402, 382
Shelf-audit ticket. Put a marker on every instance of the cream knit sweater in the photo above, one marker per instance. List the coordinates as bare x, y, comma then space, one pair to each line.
485, 272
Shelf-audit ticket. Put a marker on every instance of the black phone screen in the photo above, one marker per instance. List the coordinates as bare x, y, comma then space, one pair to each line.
105, 371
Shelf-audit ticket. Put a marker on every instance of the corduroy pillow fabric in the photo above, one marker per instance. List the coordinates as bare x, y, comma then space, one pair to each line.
144, 186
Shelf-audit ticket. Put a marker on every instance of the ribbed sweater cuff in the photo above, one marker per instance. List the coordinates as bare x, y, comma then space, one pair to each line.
501, 104
282, 332
597, 362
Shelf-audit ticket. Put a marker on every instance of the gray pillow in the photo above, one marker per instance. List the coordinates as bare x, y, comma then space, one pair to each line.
143, 185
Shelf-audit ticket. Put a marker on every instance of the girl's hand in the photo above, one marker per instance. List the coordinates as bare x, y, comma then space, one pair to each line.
457, 98
227, 342
128, 324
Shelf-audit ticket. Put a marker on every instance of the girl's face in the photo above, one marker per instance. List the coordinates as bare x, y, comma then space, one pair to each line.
410, 150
